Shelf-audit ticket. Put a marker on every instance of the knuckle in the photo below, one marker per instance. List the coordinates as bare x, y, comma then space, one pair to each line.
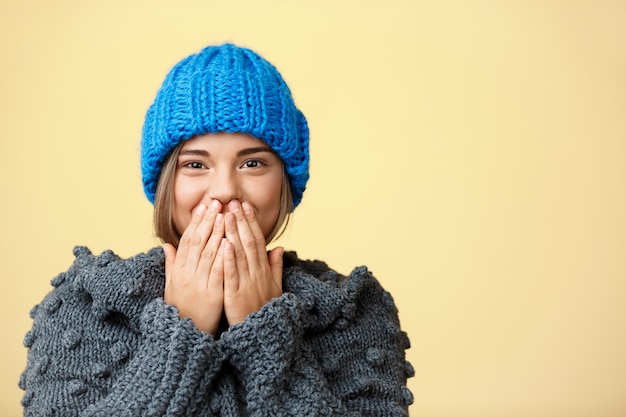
250, 242
209, 220
239, 215
217, 270
232, 228
195, 240
240, 253
208, 254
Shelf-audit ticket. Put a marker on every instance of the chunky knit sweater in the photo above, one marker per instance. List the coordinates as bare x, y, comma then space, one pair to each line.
104, 343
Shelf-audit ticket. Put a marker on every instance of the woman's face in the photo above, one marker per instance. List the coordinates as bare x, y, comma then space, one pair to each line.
226, 167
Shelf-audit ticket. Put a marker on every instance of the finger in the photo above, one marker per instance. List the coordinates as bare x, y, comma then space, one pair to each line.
232, 235
256, 230
231, 277
170, 258
249, 241
185, 239
276, 265
202, 231
211, 249
217, 268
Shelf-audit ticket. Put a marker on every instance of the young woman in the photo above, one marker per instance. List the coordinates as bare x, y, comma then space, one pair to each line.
212, 324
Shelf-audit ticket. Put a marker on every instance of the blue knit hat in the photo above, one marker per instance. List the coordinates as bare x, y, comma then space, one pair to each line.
225, 89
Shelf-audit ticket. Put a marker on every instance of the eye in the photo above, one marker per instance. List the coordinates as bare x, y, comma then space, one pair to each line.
194, 165
253, 163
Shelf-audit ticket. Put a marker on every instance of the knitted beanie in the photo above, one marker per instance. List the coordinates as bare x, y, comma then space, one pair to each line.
225, 89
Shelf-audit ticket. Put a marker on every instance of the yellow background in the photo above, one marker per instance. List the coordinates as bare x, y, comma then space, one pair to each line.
471, 153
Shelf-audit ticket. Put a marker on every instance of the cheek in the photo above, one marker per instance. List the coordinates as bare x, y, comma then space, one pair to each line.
268, 204
186, 198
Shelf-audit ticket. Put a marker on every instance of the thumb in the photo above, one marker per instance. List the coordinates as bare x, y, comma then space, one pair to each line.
276, 265
170, 257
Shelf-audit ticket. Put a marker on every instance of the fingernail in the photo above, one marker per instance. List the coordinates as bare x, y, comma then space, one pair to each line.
215, 206
234, 205
200, 210
246, 207
219, 219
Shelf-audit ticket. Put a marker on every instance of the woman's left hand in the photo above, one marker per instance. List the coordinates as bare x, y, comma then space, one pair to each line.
251, 276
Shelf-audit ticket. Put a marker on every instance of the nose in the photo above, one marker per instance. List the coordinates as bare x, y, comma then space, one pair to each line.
224, 186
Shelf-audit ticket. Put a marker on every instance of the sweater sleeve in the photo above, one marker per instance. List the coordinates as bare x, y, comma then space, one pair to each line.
290, 363
173, 366
98, 348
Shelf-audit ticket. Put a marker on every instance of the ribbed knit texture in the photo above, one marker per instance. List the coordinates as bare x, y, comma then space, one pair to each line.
103, 343
225, 89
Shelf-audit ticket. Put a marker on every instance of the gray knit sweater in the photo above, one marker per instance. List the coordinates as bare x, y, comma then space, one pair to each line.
104, 343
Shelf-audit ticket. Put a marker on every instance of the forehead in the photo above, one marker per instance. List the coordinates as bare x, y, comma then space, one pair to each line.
224, 141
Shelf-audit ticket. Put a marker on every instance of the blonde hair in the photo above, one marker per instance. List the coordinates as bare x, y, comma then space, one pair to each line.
164, 204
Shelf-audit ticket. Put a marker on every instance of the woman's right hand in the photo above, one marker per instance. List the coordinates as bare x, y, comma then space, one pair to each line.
191, 283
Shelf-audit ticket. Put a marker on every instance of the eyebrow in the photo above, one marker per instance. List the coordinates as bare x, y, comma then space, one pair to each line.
199, 152
242, 152
249, 151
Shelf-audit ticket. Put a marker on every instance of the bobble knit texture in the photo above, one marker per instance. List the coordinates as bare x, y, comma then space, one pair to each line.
103, 343
225, 89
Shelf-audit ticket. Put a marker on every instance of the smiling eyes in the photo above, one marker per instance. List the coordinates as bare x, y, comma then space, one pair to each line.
194, 165
251, 163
